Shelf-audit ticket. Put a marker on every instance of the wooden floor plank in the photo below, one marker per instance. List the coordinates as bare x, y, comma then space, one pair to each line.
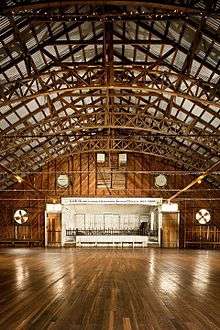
109, 289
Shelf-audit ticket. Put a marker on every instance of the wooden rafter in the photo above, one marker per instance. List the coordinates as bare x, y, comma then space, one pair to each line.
108, 81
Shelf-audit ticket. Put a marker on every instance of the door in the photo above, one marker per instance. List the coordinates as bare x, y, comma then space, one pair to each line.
170, 230
54, 229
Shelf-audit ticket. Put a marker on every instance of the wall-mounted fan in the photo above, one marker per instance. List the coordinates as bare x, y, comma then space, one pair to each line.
160, 180
203, 216
63, 181
21, 216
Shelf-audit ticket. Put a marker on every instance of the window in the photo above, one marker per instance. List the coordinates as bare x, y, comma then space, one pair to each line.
100, 158
107, 176
122, 159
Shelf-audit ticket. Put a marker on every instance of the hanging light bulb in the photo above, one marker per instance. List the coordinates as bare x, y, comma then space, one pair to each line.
18, 178
199, 181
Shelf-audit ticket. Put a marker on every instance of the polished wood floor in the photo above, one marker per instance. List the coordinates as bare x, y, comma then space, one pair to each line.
109, 289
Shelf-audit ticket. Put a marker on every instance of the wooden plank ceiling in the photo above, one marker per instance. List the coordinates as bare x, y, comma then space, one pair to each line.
80, 76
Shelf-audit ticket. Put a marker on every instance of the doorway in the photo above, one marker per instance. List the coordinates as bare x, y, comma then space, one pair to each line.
54, 229
170, 230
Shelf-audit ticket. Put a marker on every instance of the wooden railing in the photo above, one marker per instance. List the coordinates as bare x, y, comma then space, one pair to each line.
202, 237
110, 232
21, 242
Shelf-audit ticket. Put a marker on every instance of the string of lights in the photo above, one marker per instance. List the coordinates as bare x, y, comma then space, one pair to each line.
34, 136
113, 189
171, 173
182, 199
134, 14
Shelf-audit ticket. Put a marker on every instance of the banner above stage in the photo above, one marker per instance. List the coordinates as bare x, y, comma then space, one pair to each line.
111, 200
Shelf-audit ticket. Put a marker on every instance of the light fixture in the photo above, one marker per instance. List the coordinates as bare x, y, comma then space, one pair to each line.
199, 180
18, 178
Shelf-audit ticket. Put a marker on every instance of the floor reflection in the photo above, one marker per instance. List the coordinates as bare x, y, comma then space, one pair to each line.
85, 286
201, 273
168, 284
21, 273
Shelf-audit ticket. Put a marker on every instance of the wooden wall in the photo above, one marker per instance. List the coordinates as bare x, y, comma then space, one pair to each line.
82, 171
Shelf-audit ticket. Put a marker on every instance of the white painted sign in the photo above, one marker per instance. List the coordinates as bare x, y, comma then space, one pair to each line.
169, 207
111, 200
53, 208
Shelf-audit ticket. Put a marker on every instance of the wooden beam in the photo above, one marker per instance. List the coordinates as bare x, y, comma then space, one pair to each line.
140, 90
66, 3
197, 180
100, 42
19, 179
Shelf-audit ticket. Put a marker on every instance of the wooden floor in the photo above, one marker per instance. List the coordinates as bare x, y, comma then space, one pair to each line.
109, 289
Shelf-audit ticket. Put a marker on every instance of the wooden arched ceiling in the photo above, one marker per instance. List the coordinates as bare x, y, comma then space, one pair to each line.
142, 76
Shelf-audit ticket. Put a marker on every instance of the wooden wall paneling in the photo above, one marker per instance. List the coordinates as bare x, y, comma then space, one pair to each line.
55, 176
6, 226
88, 174
77, 175
84, 184
67, 172
182, 206
146, 178
37, 224
92, 174
193, 232
131, 175
84, 175
135, 181
80, 175
32, 230
138, 180
142, 177
134, 175
71, 175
